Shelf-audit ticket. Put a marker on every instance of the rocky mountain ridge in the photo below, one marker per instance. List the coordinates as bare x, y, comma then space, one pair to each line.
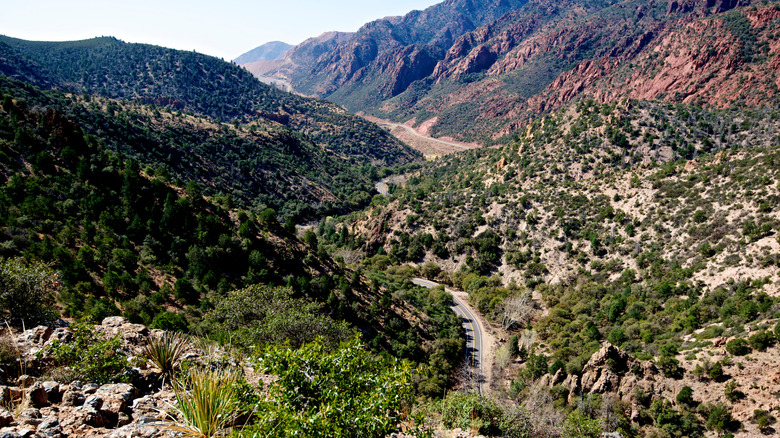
531, 58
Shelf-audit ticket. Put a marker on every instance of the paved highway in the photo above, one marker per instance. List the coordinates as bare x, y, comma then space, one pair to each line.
382, 188
474, 330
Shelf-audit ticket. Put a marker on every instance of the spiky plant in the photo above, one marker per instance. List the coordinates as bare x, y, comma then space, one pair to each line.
166, 351
205, 402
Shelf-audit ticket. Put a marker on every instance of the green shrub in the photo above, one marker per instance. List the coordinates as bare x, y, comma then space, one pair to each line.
685, 396
579, 425
738, 347
763, 419
481, 414
346, 392
206, 401
27, 292
169, 321
91, 357
761, 340
166, 351
716, 372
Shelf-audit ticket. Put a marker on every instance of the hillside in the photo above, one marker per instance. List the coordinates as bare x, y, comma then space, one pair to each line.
113, 235
195, 83
526, 59
649, 225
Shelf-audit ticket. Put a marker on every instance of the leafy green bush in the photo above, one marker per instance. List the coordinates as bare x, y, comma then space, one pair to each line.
345, 392
761, 340
91, 357
169, 321
578, 425
738, 347
685, 396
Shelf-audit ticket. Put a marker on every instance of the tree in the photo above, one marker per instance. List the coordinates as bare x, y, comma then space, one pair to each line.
685, 396
258, 315
27, 291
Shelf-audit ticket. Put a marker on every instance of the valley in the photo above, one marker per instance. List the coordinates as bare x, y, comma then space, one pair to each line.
486, 218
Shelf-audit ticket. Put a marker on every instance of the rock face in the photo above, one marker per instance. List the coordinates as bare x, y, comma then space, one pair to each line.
609, 370
320, 66
500, 67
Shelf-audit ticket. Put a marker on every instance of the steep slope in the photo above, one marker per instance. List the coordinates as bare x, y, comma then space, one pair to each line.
500, 76
128, 239
534, 57
400, 50
200, 84
652, 226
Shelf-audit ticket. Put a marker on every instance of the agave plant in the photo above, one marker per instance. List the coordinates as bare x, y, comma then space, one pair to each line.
166, 351
205, 403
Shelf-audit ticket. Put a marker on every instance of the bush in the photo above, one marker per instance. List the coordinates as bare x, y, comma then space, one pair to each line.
92, 358
738, 347
206, 400
763, 419
170, 321
685, 396
475, 412
716, 372
344, 392
579, 425
760, 341
27, 292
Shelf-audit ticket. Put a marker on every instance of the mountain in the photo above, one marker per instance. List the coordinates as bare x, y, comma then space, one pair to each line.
267, 52
200, 84
480, 77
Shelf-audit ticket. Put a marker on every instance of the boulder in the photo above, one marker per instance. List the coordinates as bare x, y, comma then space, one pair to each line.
114, 399
73, 397
52, 391
37, 395
50, 427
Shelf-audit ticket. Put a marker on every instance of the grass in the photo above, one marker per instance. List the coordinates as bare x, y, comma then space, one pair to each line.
205, 402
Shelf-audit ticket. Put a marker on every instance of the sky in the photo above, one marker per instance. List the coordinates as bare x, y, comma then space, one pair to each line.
225, 28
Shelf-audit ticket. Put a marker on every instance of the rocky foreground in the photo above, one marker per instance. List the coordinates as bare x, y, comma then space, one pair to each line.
43, 407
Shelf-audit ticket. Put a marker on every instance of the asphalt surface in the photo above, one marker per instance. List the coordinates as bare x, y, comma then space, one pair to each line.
473, 329
382, 188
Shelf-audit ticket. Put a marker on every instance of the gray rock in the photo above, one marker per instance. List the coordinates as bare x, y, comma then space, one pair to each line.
114, 321
72, 398
93, 401
50, 427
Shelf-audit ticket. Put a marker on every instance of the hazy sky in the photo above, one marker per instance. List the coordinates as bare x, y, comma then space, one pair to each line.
224, 28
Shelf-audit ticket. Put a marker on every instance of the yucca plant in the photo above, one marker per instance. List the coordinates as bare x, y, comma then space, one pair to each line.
205, 402
166, 351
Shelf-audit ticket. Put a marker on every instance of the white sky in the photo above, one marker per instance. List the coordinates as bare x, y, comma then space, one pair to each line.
225, 28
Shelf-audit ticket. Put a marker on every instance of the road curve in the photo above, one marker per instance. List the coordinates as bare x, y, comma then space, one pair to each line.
382, 188
474, 330
416, 134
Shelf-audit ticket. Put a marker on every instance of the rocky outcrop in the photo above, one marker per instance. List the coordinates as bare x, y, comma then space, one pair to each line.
609, 371
75, 409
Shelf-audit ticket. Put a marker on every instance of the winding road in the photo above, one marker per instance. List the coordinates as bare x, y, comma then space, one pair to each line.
416, 134
475, 332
